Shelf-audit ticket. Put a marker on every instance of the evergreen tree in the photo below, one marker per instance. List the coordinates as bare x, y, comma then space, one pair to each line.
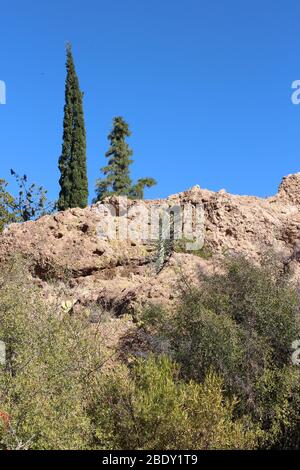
117, 173
72, 162
117, 179
137, 191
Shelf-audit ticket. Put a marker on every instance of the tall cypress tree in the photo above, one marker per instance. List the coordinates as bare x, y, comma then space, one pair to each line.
72, 162
117, 172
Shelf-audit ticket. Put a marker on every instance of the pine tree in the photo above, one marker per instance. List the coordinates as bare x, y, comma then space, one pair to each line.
137, 191
117, 172
72, 162
117, 179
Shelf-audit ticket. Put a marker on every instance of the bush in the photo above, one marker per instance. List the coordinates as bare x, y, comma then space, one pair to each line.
229, 384
261, 300
241, 323
153, 409
30, 203
180, 246
7, 206
51, 363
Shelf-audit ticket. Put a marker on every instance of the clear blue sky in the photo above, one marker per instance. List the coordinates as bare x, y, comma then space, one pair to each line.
204, 84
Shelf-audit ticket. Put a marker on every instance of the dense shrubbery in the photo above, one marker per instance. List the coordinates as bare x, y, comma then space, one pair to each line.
154, 409
241, 324
51, 362
226, 383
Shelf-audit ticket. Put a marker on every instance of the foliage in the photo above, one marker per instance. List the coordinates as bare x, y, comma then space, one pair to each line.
31, 202
117, 179
153, 409
168, 243
137, 190
7, 206
277, 407
165, 245
241, 323
180, 247
163, 252
72, 162
52, 359
232, 385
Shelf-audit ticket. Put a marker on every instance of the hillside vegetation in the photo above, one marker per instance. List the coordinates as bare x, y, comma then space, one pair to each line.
217, 376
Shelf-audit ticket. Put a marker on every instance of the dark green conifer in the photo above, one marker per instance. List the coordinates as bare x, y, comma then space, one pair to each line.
117, 172
137, 191
72, 162
117, 180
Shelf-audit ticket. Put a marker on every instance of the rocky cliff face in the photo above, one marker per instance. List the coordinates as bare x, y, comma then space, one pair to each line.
73, 252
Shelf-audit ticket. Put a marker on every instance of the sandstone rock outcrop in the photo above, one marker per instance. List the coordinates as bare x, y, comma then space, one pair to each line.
75, 249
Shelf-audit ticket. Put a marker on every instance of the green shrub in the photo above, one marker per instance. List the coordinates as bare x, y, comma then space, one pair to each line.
154, 409
260, 299
241, 323
30, 203
180, 246
7, 206
229, 384
51, 363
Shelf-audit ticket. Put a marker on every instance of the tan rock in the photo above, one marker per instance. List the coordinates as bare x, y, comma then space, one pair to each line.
76, 249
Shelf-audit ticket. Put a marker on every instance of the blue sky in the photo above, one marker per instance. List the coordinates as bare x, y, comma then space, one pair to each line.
204, 84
